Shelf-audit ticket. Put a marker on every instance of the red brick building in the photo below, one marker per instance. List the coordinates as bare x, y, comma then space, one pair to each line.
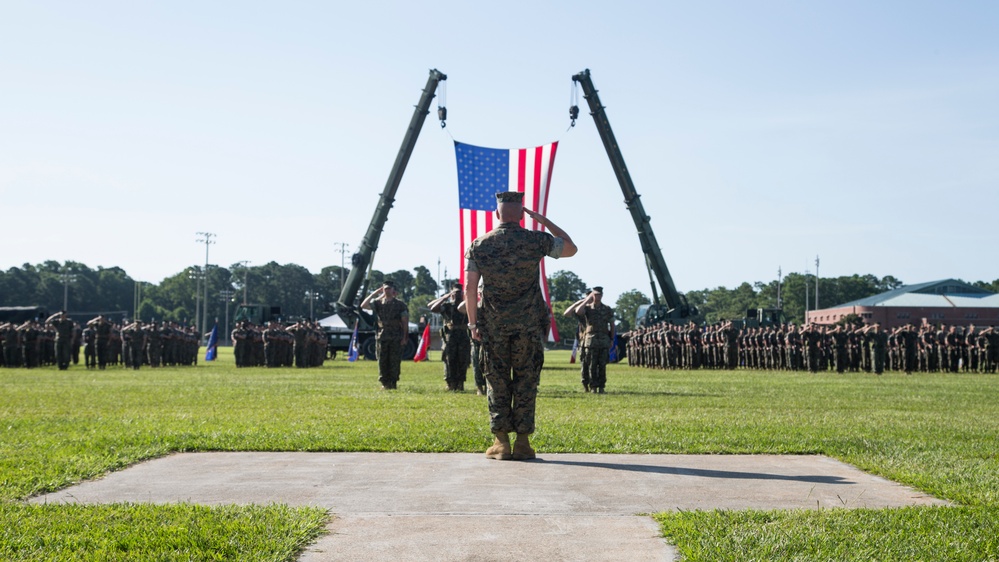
949, 301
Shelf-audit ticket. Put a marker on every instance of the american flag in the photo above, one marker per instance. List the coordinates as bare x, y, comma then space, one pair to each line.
484, 172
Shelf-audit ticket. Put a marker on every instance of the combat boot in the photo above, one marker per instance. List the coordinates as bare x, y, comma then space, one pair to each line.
522, 450
501, 447
481, 391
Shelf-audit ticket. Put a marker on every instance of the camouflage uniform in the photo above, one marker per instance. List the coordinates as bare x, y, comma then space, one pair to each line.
64, 328
154, 345
239, 345
273, 338
11, 345
596, 337
300, 333
388, 343
134, 338
514, 318
840, 339
878, 343
102, 328
456, 347
90, 347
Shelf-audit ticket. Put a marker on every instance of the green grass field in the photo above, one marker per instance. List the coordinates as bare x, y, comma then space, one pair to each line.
938, 433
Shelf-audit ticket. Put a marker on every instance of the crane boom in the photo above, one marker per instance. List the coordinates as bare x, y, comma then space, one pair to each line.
362, 259
676, 304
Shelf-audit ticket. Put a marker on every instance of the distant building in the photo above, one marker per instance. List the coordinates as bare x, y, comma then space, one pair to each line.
949, 301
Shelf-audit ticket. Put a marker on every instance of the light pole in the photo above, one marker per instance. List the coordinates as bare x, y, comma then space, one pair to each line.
206, 239
137, 300
816, 282
806, 295
780, 303
243, 264
311, 295
67, 278
343, 252
194, 273
225, 295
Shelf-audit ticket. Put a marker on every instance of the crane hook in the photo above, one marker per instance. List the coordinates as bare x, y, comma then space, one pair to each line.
573, 114
442, 115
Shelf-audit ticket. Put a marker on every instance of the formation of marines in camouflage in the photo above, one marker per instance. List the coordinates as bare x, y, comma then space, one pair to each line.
59, 340
302, 344
816, 348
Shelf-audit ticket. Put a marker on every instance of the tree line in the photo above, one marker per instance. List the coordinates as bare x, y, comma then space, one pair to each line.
302, 294
299, 293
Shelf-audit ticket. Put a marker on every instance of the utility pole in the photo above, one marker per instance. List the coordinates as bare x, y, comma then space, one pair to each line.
206, 239
440, 285
816, 282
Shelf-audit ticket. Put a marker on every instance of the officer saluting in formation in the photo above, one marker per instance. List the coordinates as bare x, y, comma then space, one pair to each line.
456, 349
598, 332
64, 328
393, 328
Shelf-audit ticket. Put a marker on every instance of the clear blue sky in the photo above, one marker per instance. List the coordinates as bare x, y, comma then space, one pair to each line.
759, 134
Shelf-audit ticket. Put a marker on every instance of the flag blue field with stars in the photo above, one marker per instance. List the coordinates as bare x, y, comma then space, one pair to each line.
482, 173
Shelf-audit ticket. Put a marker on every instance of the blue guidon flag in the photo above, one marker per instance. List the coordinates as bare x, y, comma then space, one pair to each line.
353, 349
213, 343
484, 172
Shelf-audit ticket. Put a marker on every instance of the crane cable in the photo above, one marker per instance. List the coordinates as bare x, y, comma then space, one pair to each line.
442, 106
573, 104
442, 103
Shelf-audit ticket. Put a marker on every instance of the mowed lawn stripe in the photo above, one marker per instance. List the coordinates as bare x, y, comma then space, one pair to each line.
935, 432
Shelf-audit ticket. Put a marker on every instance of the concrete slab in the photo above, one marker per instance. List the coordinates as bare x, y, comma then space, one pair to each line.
415, 506
423, 538
466, 483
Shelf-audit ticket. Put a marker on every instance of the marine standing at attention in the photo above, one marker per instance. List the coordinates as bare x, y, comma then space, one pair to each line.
393, 328
514, 317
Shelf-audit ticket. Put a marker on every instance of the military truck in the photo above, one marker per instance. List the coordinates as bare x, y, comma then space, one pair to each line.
757, 317
259, 314
21, 314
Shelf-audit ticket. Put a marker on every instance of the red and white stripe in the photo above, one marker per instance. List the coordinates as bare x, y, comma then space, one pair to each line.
530, 174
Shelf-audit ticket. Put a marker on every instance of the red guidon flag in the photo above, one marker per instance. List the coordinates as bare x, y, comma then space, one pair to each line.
484, 172
423, 346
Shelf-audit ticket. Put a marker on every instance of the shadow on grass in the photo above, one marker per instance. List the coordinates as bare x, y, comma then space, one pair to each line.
704, 473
